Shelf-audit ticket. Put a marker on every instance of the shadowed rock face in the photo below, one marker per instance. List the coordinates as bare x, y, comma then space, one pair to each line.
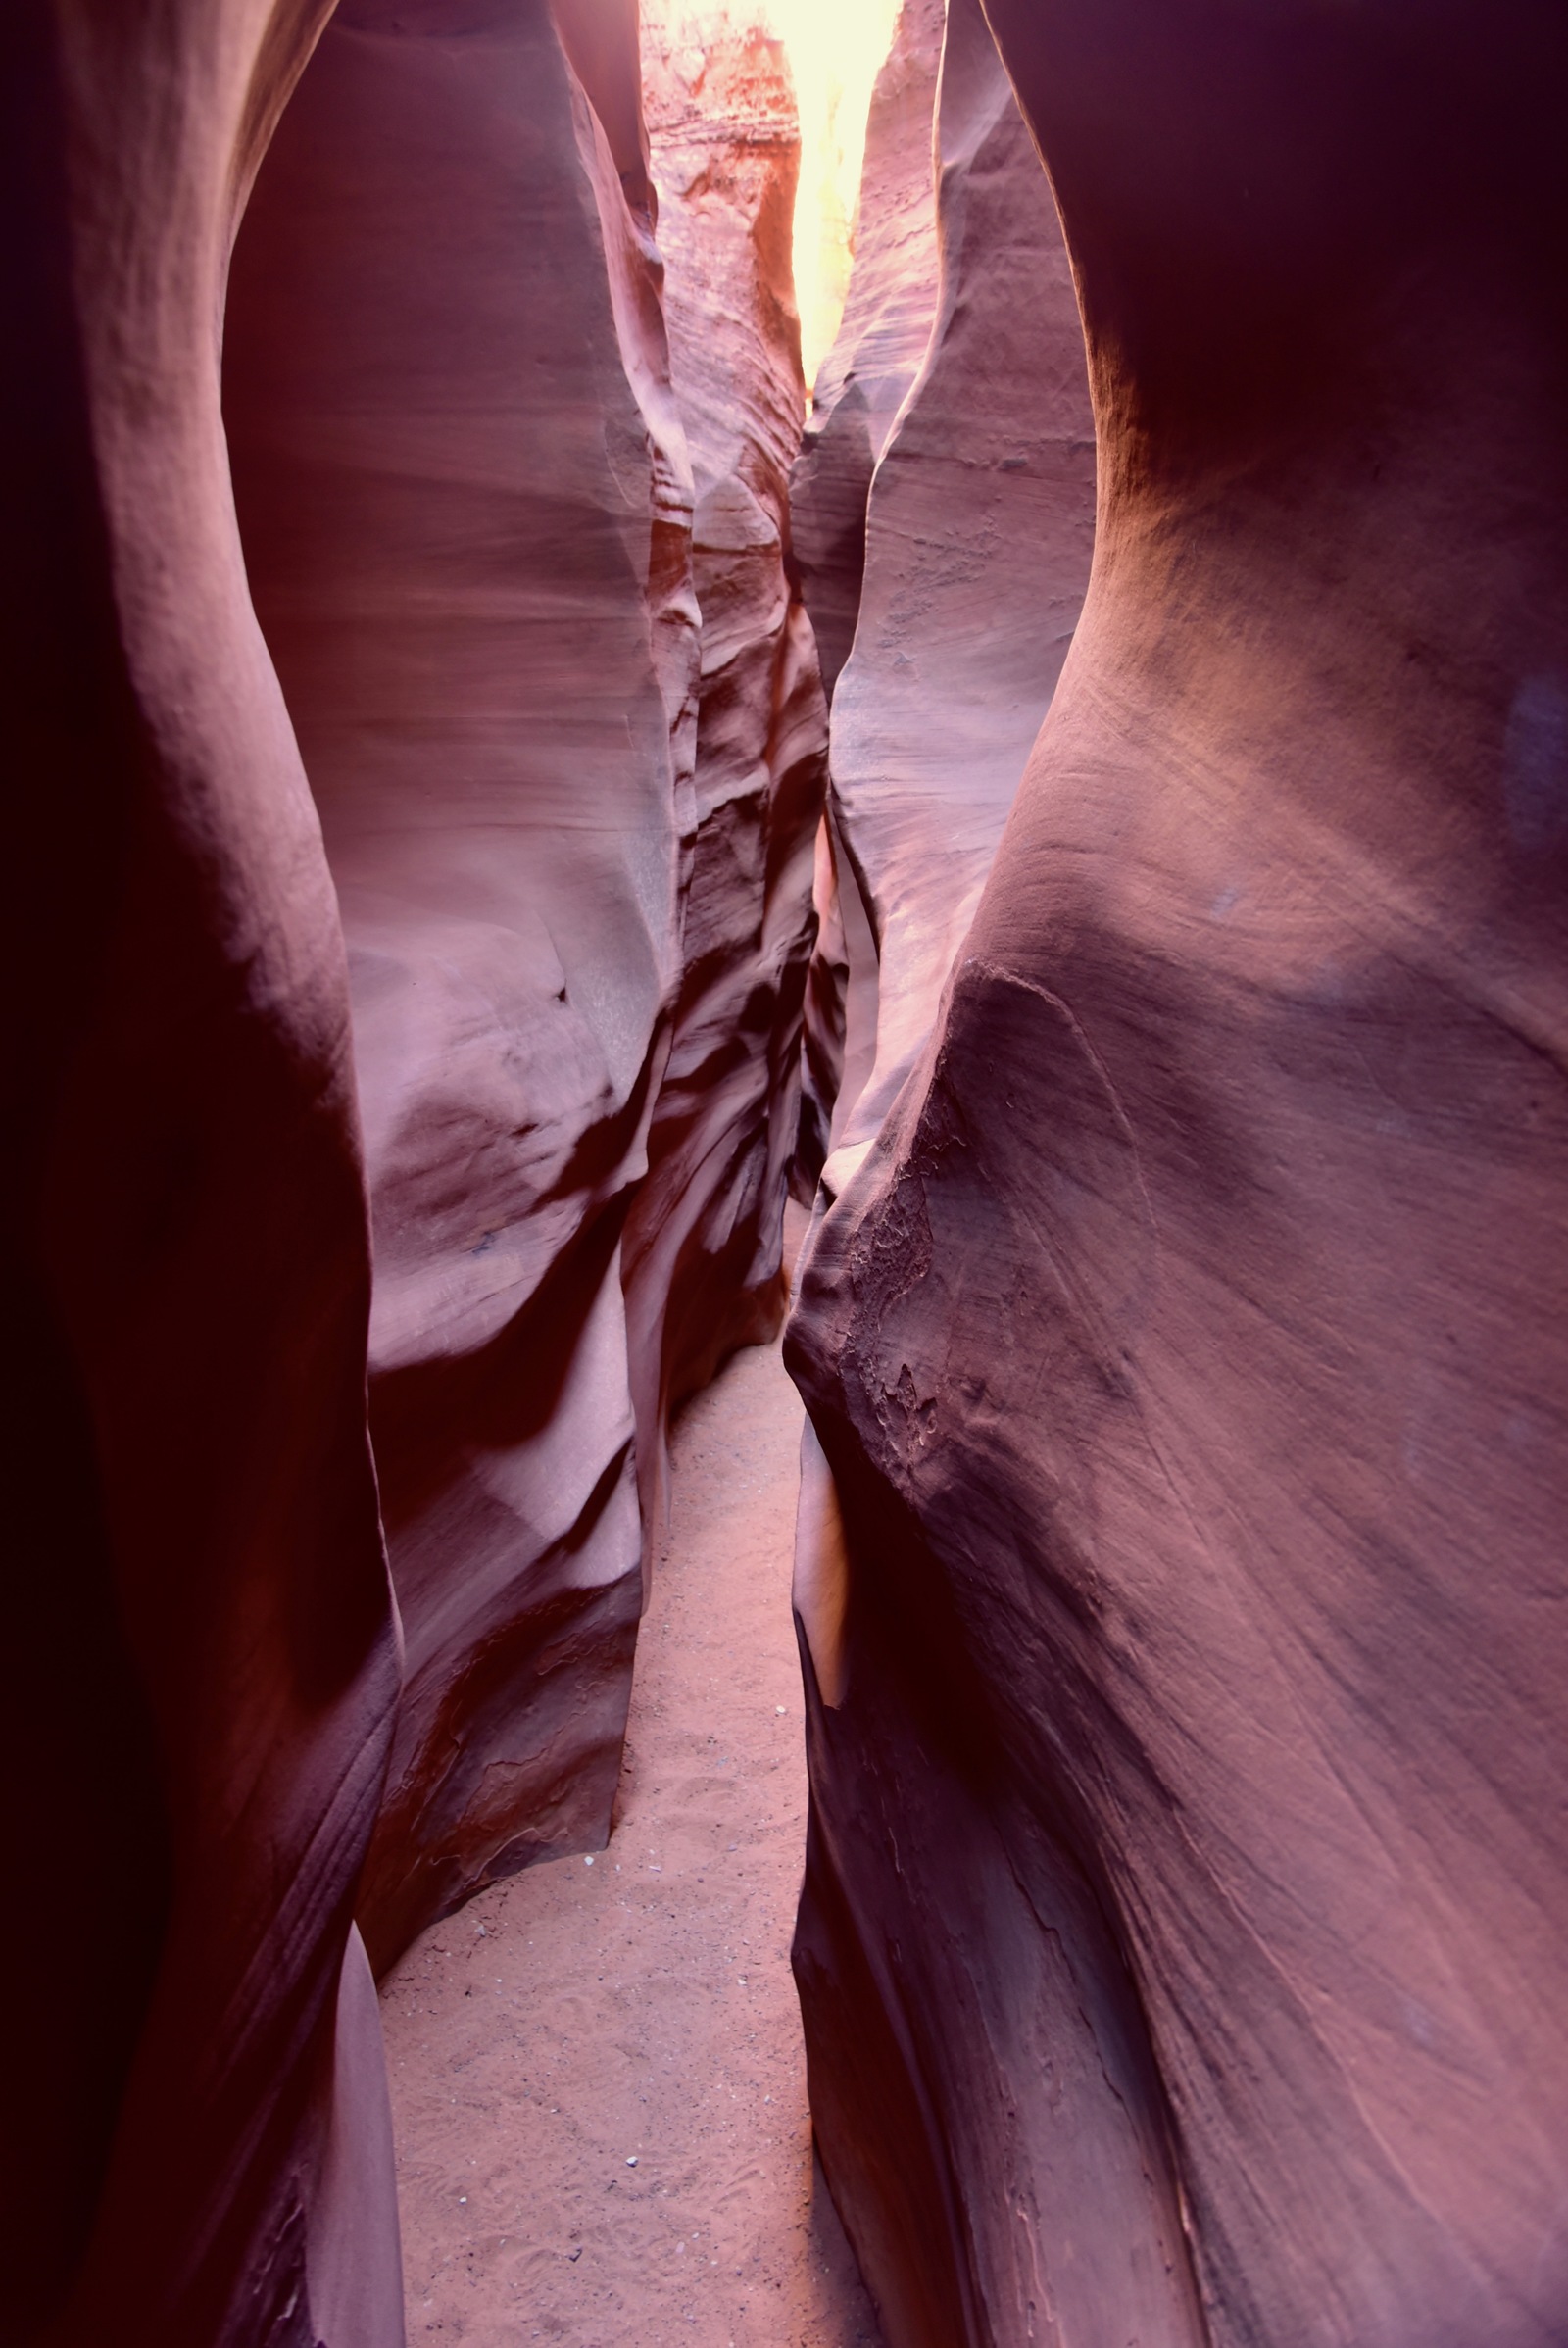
705, 1235
467, 508
200, 1692
978, 543
1191, 1351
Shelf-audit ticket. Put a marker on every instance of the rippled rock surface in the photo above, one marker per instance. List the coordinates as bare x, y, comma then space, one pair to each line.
703, 1251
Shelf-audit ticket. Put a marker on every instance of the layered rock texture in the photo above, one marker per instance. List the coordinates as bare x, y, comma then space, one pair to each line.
978, 541
466, 514
702, 1254
467, 506
1186, 1337
203, 1669
1183, 1940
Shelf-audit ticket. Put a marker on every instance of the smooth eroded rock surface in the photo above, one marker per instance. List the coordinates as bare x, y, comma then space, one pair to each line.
881, 339
978, 540
199, 1693
860, 385
466, 503
1185, 1918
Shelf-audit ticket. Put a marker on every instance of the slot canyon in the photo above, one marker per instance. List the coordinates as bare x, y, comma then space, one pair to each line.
787, 1225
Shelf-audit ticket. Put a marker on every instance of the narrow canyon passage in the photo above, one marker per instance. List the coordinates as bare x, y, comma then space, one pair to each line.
580, 2018
622, 610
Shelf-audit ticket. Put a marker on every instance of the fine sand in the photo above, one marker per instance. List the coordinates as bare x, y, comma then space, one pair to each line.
582, 2018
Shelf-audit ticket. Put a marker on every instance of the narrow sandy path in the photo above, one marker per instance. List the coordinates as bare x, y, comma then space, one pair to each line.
640, 2008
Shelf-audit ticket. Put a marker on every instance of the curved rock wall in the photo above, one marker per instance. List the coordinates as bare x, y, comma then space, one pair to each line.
203, 1674
1183, 1941
704, 1236
466, 503
1180, 1568
978, 542
824, 1041
881, 339
875, 357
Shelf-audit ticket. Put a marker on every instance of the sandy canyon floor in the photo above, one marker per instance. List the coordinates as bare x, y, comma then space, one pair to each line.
597, 2072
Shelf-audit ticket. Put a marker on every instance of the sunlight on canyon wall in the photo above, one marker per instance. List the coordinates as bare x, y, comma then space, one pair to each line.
834, 49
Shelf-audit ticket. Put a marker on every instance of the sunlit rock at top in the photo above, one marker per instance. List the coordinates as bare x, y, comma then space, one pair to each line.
834, 52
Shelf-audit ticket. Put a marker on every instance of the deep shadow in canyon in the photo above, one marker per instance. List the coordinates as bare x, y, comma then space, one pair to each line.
507, 792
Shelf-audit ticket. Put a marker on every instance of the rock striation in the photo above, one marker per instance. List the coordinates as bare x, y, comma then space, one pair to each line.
203, 1669
704, 1240
978, 540
467, 508
1183, 1940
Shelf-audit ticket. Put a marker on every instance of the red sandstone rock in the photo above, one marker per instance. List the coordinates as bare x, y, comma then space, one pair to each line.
200, 1692
465, 505
881, 339
601, 40
875, 357
825, 1024
1191, 1350
978, 545
704, 1238
976, 550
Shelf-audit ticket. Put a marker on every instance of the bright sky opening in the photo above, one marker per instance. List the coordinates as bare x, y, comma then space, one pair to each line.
835, 50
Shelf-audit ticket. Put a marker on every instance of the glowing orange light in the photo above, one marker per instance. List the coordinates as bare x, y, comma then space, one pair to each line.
835, 49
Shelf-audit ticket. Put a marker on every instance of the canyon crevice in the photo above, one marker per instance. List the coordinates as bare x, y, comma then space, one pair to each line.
508, 790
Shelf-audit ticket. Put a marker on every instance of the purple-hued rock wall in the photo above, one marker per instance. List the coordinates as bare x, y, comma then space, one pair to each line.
418, 847
203, 1671
978, 538
1182, 1947
860, 385
467, 506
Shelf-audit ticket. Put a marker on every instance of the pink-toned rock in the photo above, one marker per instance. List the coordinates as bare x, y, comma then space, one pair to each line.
465, 506
860, 386
1184, 1939
978, 544
979, 472
199, 1695
825, 1037
882, 337
703, 1251
601, 40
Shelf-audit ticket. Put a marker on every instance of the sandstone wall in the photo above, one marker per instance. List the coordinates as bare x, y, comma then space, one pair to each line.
199, 1691
881, 339
861, 384
978, 540
1182, 1939
466, 503
704, 1236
